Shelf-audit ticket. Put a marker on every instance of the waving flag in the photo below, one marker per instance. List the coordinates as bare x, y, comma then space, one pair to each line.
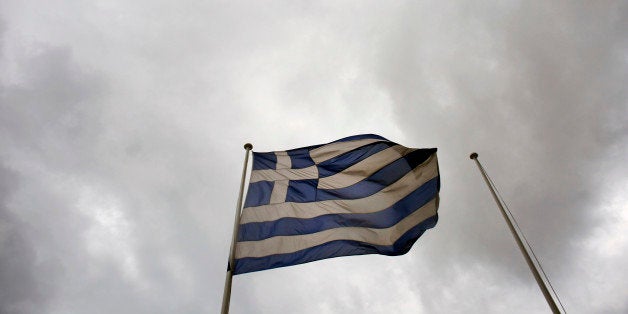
358, 195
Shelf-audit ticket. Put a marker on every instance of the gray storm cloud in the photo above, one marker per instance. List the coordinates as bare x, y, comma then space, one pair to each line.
122, 124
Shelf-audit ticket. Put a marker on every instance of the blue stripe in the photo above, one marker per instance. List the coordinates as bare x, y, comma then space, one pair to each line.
334, 249
259, 193
302, 191
263, 161
380, 179
300, 158
348, 159
382, 219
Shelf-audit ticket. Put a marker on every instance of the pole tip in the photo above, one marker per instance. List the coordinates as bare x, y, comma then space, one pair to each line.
473, 155
248, 146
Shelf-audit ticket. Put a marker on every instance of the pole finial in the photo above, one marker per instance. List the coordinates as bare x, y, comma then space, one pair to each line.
248, 146
473, 155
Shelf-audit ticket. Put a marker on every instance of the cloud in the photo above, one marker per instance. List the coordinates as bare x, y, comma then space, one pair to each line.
537, 91
112, 207
46, 125
122, 127
17, 257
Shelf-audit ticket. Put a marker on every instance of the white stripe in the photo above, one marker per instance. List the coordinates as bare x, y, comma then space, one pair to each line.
310, 172
280, 189
290, 244
376, 202
332, 150
364, 168
283, 160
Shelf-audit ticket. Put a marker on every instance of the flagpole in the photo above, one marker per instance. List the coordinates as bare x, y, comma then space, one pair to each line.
226, 295
535, 272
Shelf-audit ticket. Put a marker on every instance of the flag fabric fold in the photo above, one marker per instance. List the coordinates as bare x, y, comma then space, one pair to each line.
358, 195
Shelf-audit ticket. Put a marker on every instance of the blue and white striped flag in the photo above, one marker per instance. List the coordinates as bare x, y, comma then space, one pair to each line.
359, 195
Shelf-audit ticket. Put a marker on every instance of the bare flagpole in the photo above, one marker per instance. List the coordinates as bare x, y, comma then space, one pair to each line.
535, 272
226, 295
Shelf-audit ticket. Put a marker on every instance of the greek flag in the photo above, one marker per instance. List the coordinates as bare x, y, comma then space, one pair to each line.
359, 195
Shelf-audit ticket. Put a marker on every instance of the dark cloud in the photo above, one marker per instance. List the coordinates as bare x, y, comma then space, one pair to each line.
538, 91
46, 124
121, 145
111, 212
17, 257
544, 77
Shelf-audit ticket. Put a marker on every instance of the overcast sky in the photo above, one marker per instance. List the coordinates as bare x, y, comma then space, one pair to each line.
122, 125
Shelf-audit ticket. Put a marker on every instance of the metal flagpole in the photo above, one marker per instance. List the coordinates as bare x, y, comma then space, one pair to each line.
535, 272
226, 295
